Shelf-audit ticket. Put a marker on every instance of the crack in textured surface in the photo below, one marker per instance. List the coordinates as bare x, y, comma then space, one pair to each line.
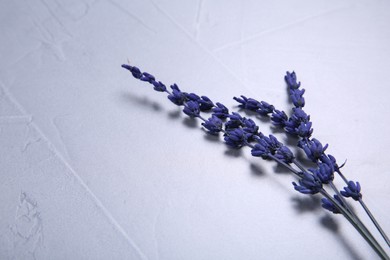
131, 15
27, 229
279, 28
97, 202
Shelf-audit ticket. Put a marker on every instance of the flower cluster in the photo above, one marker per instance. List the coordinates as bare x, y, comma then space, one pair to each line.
239, 131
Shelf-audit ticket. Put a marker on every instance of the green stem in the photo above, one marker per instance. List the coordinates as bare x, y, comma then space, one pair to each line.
375, 222
368, 237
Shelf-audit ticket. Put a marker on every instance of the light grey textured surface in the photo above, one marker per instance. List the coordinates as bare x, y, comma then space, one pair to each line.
96, 165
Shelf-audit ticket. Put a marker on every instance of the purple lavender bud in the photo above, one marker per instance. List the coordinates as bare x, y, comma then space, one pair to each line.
213, 124
313, 149
260, 150
235, 121
177, 97
249, 126
220, 111
327, 204
297, 98
304, 130
352, 190
264, 108
309, 184
284, 154
299, 116
235, 138
279, 118
134, 70
324, 173
273, 143
291, 80
147, 77
248, 103
331, 161
192, 96
159, 86
191, 109
205, 103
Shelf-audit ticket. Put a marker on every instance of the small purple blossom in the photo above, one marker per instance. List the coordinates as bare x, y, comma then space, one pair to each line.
299, 116
291, 80
260, 150
331, 161
220, 111
248, 103
297, 98
272, 143
309, 184
147, 77
213, 124
264, 108
327, 204
192, 96
134, 70
205, 104
177, 97
279, 118
159, 86
235, 138
267, 146
313, 149
285, 154
191, 109
352, 190
249, 126
235, 121
324, 173
304, 129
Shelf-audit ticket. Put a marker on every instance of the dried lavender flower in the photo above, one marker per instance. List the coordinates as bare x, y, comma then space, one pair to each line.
284, 154
213, 124
352, 190
309, 184
177, 97
236, 138
291, 80
191, 109
327, 204
220, 111
279, 118
313, 149
324, 173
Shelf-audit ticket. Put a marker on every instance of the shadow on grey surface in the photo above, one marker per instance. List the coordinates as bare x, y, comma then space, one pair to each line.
330, 224
306, 204
257, 170
128, 97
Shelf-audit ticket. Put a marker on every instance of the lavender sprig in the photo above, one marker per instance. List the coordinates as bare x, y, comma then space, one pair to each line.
240, 131
299, 124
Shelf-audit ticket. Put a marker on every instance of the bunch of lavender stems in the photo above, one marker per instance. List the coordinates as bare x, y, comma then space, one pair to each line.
239, 131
